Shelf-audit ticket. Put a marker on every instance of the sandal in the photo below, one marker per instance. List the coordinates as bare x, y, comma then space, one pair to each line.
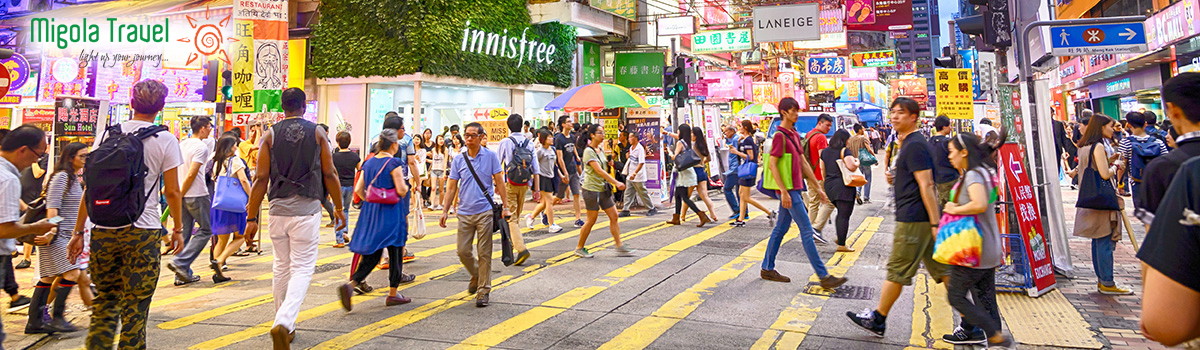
362, 288
241, 252
407, 278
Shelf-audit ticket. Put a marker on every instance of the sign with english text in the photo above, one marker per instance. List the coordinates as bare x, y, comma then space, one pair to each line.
1020, 192
715, 41
1095, 39
787, 23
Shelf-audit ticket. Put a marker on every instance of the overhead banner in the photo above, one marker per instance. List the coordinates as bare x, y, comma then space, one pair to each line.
260, 53
729, 85
908, 67
722, 41
638, 69
954, 93
787, 23
889, 15
623, 8
825, 65
884, 58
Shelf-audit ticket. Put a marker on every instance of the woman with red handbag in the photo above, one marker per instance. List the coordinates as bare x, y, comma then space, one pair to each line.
382, 223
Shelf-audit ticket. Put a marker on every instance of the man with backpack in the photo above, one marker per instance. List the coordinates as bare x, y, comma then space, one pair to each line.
1138, 149
944, 174
516, 155
814, 142
1181, 105
196, 203
124, 173
296, 161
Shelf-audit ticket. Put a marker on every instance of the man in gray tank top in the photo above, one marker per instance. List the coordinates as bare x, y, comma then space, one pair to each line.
296, 161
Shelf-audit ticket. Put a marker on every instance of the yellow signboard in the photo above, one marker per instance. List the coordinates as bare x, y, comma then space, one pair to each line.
954, 93
496, 130
827, 84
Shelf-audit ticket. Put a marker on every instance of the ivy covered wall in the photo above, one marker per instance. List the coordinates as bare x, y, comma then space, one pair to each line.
358, 38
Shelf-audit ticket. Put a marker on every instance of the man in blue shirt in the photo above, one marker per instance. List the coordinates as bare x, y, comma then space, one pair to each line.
731, 175
475, 208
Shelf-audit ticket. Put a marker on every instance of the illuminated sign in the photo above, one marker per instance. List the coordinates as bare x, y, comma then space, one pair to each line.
885, 58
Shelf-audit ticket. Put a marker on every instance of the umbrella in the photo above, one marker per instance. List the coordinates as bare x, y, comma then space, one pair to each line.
759, 109
596, 97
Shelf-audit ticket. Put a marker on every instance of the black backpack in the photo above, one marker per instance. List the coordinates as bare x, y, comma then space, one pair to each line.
518, 169
116, 177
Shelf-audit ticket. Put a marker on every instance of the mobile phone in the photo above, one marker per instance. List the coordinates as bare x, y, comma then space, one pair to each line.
55, 220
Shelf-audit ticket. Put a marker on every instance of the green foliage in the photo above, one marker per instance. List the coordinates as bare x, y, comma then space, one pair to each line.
357, 38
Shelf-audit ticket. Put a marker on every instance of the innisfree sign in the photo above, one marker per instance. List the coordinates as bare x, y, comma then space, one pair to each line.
1098, 39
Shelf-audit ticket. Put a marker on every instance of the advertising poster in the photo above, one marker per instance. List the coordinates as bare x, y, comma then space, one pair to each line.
18, 75
1020, 191
883, 58
260, 54
955, 97
638, 69
890, 15
832, 27
860, 12
728, 85
623, 8
650, 136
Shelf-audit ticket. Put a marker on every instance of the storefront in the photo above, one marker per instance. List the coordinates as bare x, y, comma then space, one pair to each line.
1134, 92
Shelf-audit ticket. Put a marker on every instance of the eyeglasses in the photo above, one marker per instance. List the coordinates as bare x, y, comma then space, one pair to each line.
472, 135
39, 154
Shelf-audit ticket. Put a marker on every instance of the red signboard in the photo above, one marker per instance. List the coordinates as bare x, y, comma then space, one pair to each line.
1020, 190
41, 117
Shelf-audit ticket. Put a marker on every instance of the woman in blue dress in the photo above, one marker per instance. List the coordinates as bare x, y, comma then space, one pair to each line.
381, 227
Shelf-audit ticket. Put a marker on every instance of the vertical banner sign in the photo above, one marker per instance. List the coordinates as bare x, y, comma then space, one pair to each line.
638, 69
1020, 190
650, 136
954, 93
261, 56
75, 116
589, 68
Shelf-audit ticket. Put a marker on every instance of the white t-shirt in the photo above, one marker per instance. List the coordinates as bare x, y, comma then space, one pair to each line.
193, 150
161, 153
637, 155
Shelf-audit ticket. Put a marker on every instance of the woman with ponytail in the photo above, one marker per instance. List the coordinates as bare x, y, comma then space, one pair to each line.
685, 179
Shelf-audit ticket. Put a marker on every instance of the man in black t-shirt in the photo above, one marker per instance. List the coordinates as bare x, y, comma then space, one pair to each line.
1181, 105
917, 216
1171, 301
564, 145
944, 174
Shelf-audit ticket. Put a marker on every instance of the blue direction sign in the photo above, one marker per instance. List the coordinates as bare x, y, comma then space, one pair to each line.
1097, 39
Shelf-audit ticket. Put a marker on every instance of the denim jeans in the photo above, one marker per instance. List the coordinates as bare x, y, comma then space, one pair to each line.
864, 192
1102, 258
347, 196
195, 210
731, 192
800, 215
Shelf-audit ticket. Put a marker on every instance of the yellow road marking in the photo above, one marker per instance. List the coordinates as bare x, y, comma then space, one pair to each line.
794, 322
511, 327
931, 314
304, 315
538, 314
650, 328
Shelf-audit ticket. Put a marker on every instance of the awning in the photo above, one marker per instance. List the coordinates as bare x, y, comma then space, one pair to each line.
592, 21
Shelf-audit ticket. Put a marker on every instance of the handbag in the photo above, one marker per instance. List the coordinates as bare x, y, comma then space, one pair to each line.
35, 213
228, 193
747, 170
499, 224
382, 195
686, 159
851, 178
959, 241
1094, 191
784, 164
866, 158
418, 221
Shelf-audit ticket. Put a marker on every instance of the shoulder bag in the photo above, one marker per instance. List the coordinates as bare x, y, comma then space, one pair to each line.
228, 194
1094, 191
784, 164
499, 224
866, 158
687, 158
850, 178
382, 195
959, 241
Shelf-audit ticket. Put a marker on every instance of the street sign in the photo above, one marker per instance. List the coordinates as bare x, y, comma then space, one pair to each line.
1097, 39
5, 81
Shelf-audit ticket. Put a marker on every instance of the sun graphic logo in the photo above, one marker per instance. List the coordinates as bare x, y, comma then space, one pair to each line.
208, 37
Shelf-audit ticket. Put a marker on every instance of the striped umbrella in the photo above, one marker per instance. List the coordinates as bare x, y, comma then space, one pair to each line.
758, 109
596, 97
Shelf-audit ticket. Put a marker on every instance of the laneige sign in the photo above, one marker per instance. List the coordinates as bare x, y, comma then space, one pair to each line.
787, 23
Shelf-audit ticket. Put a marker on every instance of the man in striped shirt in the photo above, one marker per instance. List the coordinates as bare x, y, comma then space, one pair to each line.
1139, 149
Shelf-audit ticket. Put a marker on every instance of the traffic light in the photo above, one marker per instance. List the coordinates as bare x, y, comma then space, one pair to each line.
671, 79
209, 91
227, 84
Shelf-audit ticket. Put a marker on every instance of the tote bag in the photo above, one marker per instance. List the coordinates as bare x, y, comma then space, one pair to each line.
1094, 191
228, 193
959, 241
784, 164
851, 178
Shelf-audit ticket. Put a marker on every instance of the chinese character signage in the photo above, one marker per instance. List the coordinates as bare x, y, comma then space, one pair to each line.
43, 118
18, 71
115, 83
260, 54
825, 65
65, 76
765, 92
76, 116
722, 41
908, 67
883, 58
638, 69
889, 15
1020, 192
955, 96
589, 68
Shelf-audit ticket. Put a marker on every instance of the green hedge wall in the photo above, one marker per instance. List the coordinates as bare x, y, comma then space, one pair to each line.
357, 38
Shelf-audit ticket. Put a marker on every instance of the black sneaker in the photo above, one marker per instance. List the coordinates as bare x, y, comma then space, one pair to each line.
623, 214
21, 303
869, 320
962, 337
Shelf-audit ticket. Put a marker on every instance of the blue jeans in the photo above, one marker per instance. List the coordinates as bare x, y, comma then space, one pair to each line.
800, 215
347, 196
1102, 258
731, 192
864, 192
195, 210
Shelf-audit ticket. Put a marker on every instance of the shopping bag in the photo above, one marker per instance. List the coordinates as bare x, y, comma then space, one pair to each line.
959, 241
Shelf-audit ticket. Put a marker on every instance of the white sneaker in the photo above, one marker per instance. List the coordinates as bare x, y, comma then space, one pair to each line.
529, 221
554, 228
